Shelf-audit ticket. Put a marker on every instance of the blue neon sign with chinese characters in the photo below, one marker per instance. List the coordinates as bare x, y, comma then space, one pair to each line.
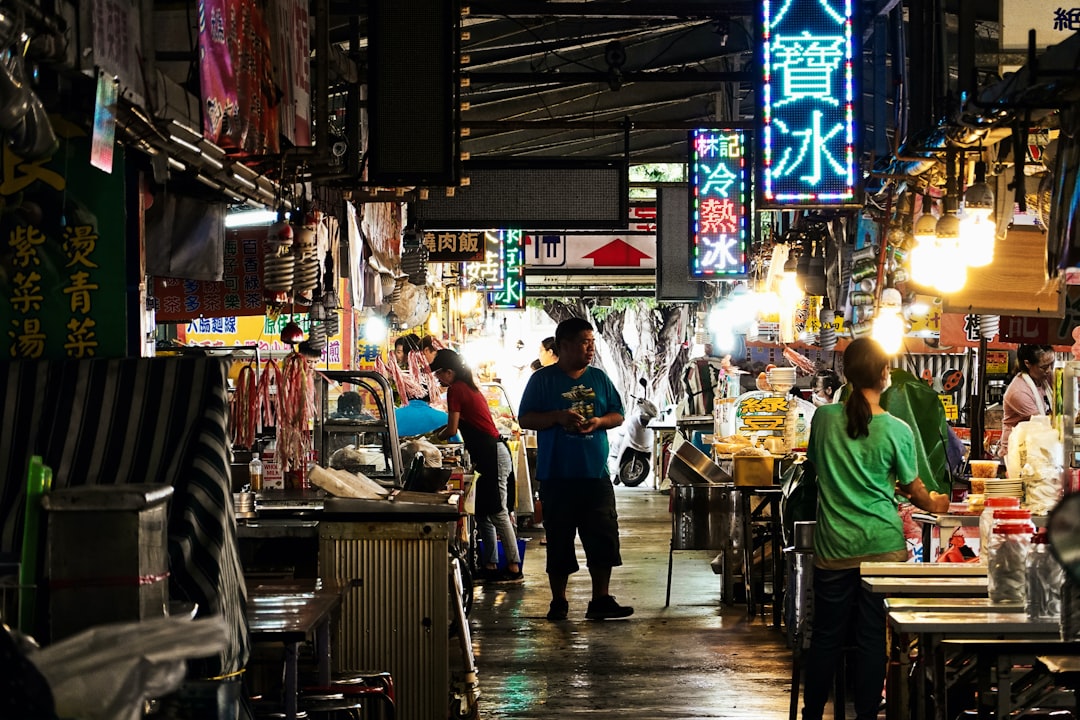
511, 296
809, 91
719, 204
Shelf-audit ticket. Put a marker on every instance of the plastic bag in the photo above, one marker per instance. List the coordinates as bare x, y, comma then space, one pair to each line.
1037, 456
107, 671
469, 503
432, 455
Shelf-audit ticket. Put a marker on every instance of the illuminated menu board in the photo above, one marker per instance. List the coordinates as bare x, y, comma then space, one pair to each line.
719, 204
808, 92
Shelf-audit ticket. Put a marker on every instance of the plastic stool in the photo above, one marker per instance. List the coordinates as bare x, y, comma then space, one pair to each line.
378, 685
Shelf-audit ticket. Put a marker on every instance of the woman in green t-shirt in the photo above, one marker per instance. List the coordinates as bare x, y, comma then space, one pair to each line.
864, 457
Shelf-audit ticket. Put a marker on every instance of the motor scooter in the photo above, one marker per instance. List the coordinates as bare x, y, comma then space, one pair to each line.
636, 453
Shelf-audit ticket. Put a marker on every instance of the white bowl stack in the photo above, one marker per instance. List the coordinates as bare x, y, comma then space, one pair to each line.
781, 379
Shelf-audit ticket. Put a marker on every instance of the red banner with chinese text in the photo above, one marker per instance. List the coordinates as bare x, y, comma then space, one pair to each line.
238, 293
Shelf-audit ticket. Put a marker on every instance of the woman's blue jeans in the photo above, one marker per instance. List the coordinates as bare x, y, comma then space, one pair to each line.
844, 613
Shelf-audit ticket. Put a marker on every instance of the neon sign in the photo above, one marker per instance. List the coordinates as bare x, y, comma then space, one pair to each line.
808, 94
719, 204
511, 296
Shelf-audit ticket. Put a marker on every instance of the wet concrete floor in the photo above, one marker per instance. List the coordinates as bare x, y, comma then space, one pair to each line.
698, 658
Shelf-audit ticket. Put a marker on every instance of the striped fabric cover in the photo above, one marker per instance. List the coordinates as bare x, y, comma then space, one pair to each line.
100, 422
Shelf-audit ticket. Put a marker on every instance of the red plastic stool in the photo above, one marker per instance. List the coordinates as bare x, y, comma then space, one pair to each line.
377, 685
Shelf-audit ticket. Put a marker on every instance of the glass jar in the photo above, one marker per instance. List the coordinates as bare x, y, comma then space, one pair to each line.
1009, 546
1045, 577
255, 474
986, 519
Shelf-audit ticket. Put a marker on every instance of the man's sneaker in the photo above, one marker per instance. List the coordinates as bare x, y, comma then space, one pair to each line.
558, 610
606, 608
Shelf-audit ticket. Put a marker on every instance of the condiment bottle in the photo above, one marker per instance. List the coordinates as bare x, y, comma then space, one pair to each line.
986, 519
1009, 546
255, 474
1044, 580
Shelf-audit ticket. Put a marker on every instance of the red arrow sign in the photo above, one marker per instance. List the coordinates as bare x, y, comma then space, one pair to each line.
617, 253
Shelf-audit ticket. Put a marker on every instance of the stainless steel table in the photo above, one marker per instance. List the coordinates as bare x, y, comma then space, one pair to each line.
934, 627
950, 604
289, 614
972, 586
905, 569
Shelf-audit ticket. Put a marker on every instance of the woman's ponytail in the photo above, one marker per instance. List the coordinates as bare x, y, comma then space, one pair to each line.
864, 364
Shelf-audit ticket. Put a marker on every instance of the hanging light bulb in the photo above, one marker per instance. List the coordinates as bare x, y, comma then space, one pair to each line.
950, 264
827, 334
979, 229
923, 254
888, 324
989, 326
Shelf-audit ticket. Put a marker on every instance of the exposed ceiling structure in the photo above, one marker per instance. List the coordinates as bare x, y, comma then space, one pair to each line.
592, 79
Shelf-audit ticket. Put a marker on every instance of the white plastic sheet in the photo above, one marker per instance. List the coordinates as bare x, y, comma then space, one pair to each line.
107, 671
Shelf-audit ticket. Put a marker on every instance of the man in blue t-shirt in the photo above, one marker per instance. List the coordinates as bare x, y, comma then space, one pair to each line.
572, 405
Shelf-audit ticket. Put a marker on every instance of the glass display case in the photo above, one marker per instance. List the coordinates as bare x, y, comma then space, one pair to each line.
355, 426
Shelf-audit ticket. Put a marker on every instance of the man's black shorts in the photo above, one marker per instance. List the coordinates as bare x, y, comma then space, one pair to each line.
584, 507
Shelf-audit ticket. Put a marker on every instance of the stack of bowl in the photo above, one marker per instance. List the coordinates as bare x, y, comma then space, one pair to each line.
781, 379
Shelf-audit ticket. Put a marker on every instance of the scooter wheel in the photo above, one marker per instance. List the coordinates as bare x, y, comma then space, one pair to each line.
634, 471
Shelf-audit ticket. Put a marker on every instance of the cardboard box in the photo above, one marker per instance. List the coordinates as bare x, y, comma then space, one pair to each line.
752, 470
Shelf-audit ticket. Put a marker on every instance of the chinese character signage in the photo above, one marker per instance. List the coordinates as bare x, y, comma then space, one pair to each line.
452, 246
261, 332
238, 293
488, 273
760, 412
719, 204
809, 90
62, 269
511, 296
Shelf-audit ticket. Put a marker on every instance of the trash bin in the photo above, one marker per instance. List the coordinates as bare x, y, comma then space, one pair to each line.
106, 555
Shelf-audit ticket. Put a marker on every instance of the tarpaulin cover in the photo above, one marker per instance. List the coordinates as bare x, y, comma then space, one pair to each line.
162, 420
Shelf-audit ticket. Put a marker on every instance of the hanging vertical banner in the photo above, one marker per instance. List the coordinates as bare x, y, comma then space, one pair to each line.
719, 204
104, 137
808, 90
63, 291
512, 294
240, 106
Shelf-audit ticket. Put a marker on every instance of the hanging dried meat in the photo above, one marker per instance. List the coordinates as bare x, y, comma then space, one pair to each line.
296, 409
245, 408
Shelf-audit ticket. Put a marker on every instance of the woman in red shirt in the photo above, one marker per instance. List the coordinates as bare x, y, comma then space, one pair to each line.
469, 413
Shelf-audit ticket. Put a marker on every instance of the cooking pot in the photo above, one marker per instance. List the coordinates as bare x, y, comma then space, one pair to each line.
701, 516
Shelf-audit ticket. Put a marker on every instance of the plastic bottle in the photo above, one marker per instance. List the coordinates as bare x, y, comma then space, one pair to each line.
1009, 547
986, 520
255, 474
1045, 578
802, 435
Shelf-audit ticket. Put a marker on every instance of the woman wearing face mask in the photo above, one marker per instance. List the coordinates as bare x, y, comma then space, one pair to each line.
826, 383
864, 457
1029, 394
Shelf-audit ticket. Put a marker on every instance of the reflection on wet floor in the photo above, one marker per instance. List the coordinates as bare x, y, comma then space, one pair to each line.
698, 658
